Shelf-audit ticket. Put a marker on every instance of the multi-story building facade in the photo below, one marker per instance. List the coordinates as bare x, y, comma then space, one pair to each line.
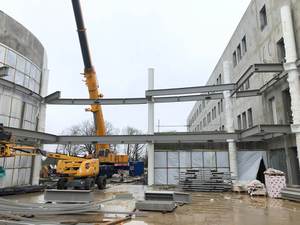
23, 83
257, 39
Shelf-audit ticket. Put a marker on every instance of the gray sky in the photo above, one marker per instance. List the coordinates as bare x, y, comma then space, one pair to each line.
182, 40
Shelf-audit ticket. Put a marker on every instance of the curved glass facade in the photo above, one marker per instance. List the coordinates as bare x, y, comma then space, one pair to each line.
18, 109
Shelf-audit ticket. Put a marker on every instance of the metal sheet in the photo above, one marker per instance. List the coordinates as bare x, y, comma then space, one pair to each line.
173, 159
160, 159
160, 176
197, 159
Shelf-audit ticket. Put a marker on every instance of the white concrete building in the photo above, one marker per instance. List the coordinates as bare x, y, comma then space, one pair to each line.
261, 37
21, 92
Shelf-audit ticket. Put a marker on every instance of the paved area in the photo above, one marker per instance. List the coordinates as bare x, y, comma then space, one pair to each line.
205, 209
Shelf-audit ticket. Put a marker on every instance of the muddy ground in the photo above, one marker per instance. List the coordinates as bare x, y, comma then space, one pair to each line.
205, 209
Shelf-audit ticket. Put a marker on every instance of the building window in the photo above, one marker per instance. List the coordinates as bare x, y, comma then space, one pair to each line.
223, 127
214, 112
244, 120
250, 118
286, 97
247, 84
239, 120
239, 53
234, 59
244, 45
219, 109
281, 51
208, 118
221, 105
219, 79
263, 18
273, 111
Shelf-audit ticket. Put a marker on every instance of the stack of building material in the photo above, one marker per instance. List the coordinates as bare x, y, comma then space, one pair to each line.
178, 197
291, 193
205, 180
151, 205
163, 201
275, 182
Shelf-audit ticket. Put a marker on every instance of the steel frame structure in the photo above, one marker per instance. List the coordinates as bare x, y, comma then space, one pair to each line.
186, 94
256, 133
210, 92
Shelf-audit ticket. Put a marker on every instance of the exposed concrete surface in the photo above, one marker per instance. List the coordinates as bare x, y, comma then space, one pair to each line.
17, 37
205, 209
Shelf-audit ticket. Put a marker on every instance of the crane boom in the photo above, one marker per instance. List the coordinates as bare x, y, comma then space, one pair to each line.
90, 75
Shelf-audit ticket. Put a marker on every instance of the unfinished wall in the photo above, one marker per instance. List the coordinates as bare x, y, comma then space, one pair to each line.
26, 58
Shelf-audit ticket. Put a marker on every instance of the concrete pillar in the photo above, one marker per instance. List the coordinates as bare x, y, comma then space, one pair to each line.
36, 168
150, 146
232, 149
293, 72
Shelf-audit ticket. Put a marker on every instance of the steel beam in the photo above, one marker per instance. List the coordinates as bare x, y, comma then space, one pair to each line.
248, 93
190, 90
103, 101
258, 68
52, 97
53, 100
189, 98
20, 88
44, 137
264, 130
156, 138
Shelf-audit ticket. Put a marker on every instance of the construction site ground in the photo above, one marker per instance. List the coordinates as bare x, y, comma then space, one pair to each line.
205, 209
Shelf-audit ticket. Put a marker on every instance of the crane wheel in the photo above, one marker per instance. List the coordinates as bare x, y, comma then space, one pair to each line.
101, 182
89, 183
61, 183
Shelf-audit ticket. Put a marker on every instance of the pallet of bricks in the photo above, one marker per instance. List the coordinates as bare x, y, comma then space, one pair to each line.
206, 180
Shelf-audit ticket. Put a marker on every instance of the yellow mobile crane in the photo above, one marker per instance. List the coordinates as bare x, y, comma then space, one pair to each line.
103, 152
82, 172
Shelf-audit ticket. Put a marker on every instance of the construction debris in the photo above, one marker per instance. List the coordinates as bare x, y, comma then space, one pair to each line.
291, 193
209, 180
161, 206
256, 188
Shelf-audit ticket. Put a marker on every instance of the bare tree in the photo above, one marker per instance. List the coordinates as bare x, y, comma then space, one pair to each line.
135, 152
85, 128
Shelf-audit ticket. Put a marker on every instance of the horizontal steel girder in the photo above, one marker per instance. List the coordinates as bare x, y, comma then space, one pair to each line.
156, 138
191, 90
130, 101
20, 89
258, 68
44, 137
263, 130
125, 139
251, 134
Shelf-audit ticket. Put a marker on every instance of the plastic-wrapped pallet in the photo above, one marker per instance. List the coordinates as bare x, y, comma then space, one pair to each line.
275, 182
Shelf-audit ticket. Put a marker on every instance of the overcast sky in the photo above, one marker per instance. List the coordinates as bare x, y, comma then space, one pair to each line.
181, 39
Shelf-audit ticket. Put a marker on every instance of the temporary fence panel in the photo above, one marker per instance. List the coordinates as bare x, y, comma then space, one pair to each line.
248, 164
169, 164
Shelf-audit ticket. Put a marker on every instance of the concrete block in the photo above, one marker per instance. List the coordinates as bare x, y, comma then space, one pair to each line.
161, 206
78, 196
